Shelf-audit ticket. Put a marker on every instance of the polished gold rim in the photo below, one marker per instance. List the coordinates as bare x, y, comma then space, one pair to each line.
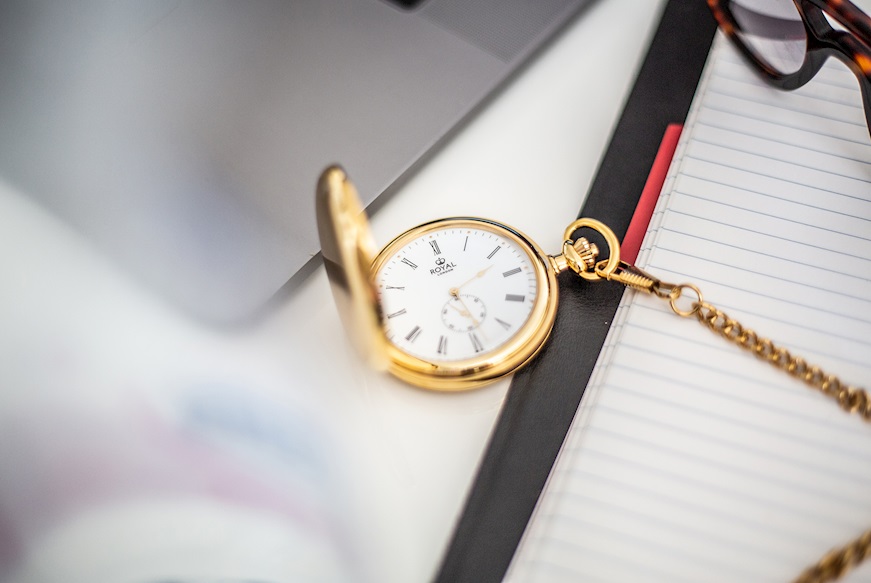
517, 351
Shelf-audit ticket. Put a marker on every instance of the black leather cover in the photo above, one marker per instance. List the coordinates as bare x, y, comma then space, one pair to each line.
543, 398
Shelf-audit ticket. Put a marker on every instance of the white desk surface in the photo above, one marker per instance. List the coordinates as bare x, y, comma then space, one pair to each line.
76, 331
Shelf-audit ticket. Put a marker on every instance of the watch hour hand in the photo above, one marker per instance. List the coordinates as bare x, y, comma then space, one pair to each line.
461, 311
465, 312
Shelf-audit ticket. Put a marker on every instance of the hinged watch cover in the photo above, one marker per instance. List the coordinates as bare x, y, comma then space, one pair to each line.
349, 250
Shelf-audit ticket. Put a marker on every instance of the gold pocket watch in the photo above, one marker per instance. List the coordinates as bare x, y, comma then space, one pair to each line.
456, 303
459, 302
449, 305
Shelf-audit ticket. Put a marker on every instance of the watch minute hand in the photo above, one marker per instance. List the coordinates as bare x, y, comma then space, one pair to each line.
454, 291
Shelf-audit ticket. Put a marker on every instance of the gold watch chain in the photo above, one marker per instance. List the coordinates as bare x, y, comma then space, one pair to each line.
686, 300
851, 399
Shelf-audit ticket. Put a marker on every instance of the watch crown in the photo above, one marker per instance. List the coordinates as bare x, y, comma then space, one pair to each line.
587, 253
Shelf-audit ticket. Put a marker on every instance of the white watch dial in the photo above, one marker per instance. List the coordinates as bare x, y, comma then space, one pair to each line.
456, 293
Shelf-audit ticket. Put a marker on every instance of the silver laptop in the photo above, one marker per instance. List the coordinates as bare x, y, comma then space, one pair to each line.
185, 138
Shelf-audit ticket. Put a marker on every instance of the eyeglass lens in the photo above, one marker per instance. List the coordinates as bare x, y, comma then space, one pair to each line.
773, 31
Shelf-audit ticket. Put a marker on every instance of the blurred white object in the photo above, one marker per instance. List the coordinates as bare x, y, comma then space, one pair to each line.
136, 446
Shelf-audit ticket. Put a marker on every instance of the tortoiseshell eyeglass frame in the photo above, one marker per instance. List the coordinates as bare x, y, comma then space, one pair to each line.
851, 45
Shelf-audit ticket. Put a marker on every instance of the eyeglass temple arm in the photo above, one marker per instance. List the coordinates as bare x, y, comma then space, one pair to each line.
849, 16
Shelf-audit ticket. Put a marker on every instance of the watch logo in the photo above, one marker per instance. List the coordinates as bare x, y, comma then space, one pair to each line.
442, 267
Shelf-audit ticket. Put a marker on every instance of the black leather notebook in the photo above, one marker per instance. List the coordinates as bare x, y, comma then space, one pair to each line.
544, 397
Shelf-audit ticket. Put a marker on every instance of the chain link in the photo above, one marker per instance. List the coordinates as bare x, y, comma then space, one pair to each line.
835, 564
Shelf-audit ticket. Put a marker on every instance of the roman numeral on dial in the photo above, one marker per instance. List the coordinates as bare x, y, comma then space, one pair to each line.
443, 345
511, 272
514, 298
435, 248
476, 343
412, 336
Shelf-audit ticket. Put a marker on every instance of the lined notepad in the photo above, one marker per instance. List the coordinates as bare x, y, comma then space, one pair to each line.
689, 459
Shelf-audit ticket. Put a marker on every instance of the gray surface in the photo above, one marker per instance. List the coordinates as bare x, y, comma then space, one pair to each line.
185, 138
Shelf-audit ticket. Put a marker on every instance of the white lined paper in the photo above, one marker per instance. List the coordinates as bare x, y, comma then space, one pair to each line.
690, 460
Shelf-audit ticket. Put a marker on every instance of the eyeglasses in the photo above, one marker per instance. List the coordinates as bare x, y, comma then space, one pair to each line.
789, 40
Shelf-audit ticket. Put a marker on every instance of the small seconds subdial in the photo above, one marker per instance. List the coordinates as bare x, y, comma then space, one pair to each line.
463, 313
454, 293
